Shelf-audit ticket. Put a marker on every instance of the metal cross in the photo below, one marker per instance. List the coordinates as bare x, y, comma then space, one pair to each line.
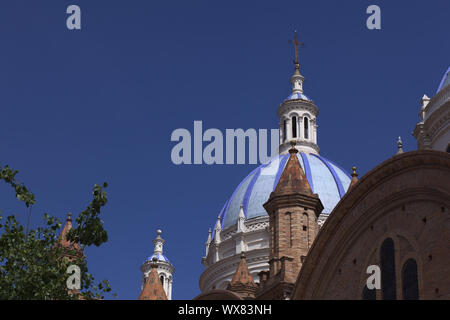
297, 44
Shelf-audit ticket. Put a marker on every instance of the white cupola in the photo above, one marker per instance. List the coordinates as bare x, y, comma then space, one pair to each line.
298, 114
164, 267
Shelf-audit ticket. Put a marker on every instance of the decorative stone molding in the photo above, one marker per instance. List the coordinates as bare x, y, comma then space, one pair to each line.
433, 131
255, 241
442, 97
295, 105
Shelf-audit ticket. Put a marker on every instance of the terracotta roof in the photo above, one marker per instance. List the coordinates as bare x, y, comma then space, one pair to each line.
153, 289
242, 274
242, 282
62, 241
293, 179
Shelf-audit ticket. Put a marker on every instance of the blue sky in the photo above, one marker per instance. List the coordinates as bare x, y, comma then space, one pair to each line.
99, 104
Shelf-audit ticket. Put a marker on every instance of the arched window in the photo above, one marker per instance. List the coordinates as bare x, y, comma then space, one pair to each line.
284, 130
387, 257
410, 281
306, 125
369, 294
294, 127
162, 280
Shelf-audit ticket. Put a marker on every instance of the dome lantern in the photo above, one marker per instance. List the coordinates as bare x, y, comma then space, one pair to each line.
159, 262
298, 114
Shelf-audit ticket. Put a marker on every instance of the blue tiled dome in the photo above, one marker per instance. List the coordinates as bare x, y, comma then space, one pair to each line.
297, 95
158, 256
326, 179
445, 80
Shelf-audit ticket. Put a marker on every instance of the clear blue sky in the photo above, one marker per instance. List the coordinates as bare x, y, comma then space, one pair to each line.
100, 104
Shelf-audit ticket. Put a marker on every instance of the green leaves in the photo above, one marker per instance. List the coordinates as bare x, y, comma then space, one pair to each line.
22, 193
33, 265
90, 229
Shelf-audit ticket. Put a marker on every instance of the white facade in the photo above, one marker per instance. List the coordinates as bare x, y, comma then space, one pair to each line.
298, 116
433, 129
165, 268
224, 249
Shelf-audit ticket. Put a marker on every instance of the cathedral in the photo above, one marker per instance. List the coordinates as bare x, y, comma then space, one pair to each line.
302, 227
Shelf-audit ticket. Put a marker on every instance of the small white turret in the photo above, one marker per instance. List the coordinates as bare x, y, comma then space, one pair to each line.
158, 242
298, 114
164, 267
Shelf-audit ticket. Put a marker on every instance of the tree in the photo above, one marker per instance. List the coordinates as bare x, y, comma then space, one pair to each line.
33, 265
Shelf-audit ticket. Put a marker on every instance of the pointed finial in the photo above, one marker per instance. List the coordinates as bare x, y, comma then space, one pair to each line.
399, 145
241, 211
158, 242
69, 217
293, 149
354, 177
241, 220
424, 100
217, 230
218, 225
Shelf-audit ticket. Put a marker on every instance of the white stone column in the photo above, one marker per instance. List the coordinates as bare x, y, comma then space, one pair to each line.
288, 130
166, 285
216, 253
280, 125
300, 126
170, 289
315, 132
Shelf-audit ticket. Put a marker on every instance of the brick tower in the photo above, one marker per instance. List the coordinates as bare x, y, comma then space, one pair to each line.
293, 211
242, 282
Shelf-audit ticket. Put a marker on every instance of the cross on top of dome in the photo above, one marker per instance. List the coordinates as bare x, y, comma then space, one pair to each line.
297, 44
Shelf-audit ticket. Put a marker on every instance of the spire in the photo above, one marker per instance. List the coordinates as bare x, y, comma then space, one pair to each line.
217, 230
153, 289
241, 219
296, 79
64, 243
209, 236
424, 102
242, 281
399, 145
354, 178
293, 179
208, 242
158, 242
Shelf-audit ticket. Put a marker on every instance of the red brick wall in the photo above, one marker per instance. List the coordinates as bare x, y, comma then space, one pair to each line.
406, 198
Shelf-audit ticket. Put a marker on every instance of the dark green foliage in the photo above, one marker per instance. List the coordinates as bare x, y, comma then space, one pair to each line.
31, 263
